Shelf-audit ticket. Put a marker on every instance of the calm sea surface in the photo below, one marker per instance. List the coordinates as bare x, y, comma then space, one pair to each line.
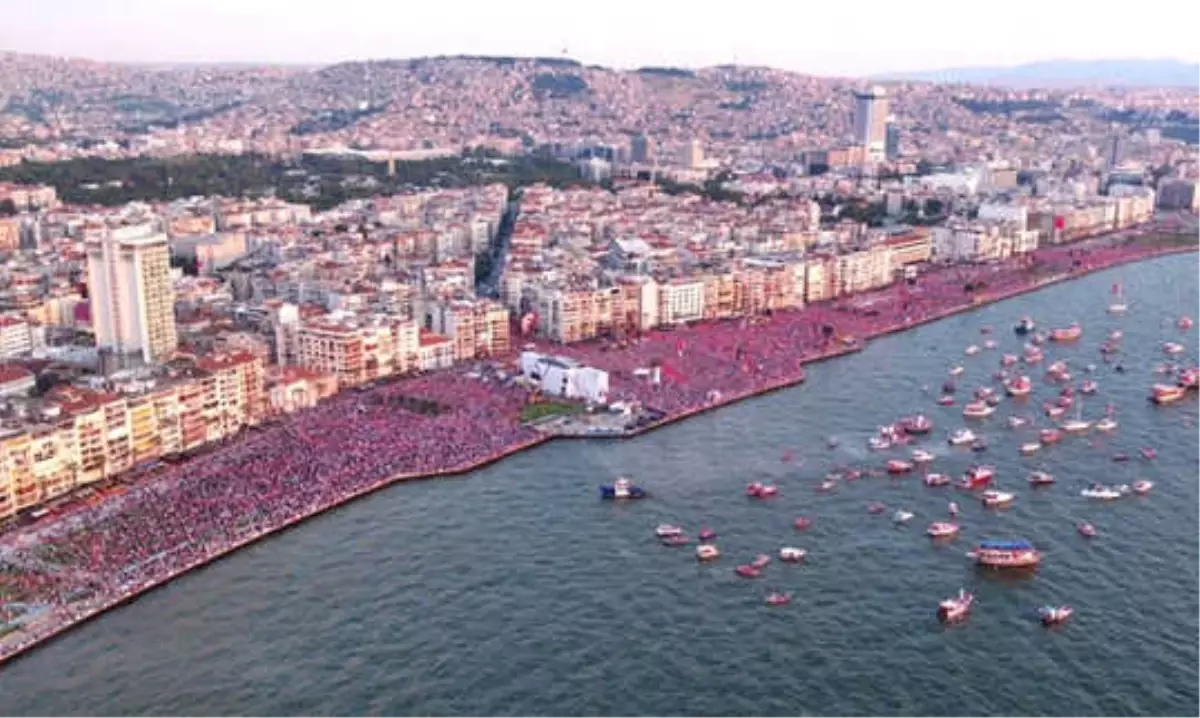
517, 591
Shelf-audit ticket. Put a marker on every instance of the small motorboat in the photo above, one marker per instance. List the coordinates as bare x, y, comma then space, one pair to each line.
802, 523
707, 552
778, 599
1041, 478
902, 517
878, 443
1106, 424
971, 350
1064, 402
1030, 448
826, 486
978, 410
962, 437
990, 344
875, 508
1184, 323
980, 475
1115, 335
665, 530
993, 498
984, 393
956, 371
1019, 386
760, 561
1173, 348
896, 466
1055, 615
1102, 493
957, 608
916, 425
622, 489
1016, 422
922, 456
1148, 453
1142, 487
1025, 326
1120, 458
1008, 359
674, 540
945, 400
942, 529
790, 554
1163, 394
1089, 387
1087, 530
747, 571
1049, 436
768, 492
1055, 412
936, 480
754, 489
1069, 334
706, 535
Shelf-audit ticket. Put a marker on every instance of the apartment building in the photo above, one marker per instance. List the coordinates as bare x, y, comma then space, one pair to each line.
15, 337
863, 271
680, 300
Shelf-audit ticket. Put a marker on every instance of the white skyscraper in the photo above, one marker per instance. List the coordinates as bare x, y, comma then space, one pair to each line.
870, 121
132, 300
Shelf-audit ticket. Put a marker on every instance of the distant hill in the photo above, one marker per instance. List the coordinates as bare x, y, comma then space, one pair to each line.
1149, 73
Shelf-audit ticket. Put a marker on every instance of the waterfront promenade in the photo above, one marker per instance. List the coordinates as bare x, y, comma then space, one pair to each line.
62, 571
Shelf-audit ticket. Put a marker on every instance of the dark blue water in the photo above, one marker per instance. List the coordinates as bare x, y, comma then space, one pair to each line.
516, 591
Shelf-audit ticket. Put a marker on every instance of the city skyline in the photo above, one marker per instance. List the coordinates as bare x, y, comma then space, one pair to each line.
625, 36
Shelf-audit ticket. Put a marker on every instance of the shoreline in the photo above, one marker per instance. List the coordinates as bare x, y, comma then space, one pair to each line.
87, 611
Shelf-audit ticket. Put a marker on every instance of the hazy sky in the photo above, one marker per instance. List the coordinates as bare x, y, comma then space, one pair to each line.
817, 36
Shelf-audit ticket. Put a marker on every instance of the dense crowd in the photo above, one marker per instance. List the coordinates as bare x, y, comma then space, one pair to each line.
275, 475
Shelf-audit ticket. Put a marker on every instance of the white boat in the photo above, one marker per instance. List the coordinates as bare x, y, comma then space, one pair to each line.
1078, 424
942, 529
1104, 493
1142, 487
1173, 348
971, 350
989, 344
1106, 424
1016, 422
992, 497
921, 456
956, 609
1041, 478
707, 552
667, 530
878, 443
956, 371
791, 554
936, 480
902, 516
961, 437
1030, 448
978, 410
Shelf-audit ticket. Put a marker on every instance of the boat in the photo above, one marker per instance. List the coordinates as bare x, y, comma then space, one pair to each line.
1053, 411
758, 490
1120, 457
1055, 615
1086, 530
1041, 478
1030, 448
1069, 334
802, 523
896, 466
962, 437
936, 479
1016, 422
990, 344
971, 350
1057, 368
707, 552
674, 540
956, 371
1103, 493
1142, 487
1190, 378
942, 529
952, 509
1006, 554
1148, 453
1163, 394
1115, 335
1025, 326
992, 497
1078, 424
957, 608
1008, 360
902, 517
1118, 305
1032, 355
1019, 386
978, 410
622, 489
945, 400
706, 535
1038, 338
1049, 436
983, 393
1106, 424
665, 530
790, 554
1089, 387
747, 571
760, 561
1184, 323
878, 443
977, 477
1173, 348
922, 456
778, 599
917, 425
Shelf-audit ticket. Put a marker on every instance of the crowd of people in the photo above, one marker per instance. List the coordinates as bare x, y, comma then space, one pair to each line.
184, 515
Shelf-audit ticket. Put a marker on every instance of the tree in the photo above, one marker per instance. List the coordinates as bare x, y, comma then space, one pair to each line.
8, 208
